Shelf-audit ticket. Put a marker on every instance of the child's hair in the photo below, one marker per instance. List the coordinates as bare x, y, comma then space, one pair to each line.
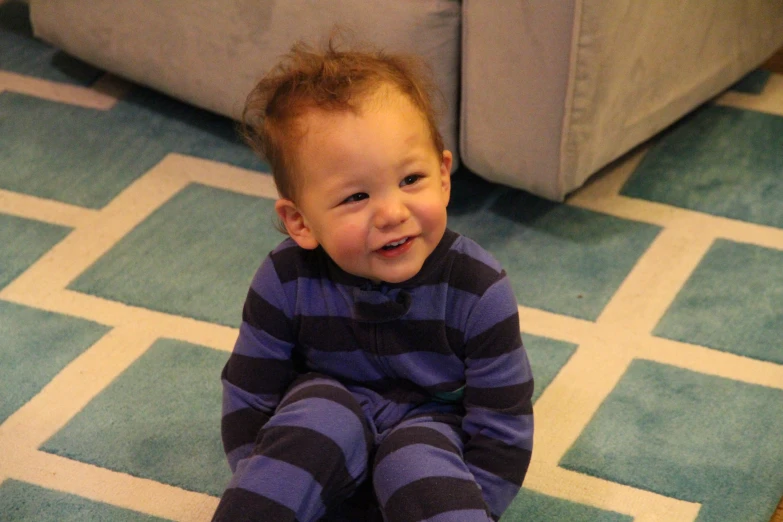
331, 80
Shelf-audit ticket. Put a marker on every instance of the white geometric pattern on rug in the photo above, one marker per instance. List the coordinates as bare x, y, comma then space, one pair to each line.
606, 347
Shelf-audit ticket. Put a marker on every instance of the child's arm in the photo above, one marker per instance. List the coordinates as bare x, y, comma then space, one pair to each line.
498, 392
260, 367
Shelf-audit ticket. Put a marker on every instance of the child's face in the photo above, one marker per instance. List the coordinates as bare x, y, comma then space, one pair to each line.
372, 189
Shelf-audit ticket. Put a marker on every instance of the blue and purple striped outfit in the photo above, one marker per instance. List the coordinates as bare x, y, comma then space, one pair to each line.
421, 389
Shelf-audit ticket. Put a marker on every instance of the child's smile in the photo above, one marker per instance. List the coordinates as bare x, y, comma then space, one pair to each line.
396, 248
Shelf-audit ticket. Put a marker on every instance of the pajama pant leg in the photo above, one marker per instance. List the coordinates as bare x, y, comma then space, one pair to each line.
311, 454
419, 474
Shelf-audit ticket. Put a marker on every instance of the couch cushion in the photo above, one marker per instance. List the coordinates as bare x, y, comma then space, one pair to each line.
211, 52
554, 91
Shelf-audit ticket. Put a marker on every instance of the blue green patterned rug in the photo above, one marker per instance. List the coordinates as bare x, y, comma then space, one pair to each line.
651, 305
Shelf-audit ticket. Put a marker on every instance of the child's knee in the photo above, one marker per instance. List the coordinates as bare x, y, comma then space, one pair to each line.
419, 472
412, 454
317, 385
320, 418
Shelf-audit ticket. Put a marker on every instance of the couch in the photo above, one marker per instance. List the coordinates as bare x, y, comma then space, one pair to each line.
539, 95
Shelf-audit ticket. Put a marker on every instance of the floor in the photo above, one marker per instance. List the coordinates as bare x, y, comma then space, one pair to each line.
775, 64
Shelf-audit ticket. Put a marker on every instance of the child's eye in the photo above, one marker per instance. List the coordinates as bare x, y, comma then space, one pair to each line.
410, 180
356, 197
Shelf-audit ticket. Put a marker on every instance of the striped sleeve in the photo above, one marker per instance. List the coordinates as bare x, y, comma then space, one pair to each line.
260, 367
498, 393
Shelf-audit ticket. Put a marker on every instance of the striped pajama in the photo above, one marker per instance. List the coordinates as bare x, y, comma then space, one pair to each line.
421, 389
319, 445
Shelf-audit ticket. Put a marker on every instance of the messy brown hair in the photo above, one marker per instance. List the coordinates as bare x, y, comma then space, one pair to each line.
333, 80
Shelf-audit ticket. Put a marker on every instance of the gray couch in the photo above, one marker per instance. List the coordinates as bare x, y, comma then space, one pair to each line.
540, 94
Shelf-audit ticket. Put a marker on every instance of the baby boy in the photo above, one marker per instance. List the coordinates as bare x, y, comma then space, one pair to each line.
378, 348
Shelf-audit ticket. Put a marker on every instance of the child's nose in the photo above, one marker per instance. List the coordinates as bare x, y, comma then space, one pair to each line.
391, 212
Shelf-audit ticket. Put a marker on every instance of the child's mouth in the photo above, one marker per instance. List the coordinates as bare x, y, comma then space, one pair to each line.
396, 248
395, 244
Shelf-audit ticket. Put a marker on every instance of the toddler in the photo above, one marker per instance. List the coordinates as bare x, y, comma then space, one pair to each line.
379, 351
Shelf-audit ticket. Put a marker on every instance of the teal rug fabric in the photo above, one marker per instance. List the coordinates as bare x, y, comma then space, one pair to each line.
547, 357
529, 505
22, 502
116, 147
158, 420
712, 308
697, 165
24, 241
560, 258
658, 368
690, 436
36, 346
172, 261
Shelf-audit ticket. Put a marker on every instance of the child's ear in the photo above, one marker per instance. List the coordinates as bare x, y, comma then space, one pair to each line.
445, 173
295, 223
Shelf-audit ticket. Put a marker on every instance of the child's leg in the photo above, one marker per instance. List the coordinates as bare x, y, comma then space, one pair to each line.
419, 474
311, 454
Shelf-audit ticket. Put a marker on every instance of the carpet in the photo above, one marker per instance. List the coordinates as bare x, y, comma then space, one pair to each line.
651, 303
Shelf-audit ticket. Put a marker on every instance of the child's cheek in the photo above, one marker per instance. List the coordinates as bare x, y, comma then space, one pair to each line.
431, 215
351, 237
